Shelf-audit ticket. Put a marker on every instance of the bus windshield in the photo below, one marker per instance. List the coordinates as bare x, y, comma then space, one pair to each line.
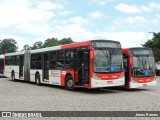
107, 60
143, 65
143, 62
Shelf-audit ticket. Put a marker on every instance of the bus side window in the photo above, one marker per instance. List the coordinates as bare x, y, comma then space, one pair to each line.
60, 59
53, 65
17, 60
8, 60
38, 65
69, 59
33, 65
60, 64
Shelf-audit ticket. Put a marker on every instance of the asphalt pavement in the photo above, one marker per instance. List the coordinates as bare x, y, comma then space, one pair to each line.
22, 96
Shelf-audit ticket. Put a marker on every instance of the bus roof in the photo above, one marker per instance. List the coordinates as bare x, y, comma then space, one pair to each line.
45, 49
126, 50
15, 53
66, 46
140, 48
137, 48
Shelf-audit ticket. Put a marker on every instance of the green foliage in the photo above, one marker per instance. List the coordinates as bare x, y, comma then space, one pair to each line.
8, 46
26, 47
37, 45
65, 41
154, 43
50, 42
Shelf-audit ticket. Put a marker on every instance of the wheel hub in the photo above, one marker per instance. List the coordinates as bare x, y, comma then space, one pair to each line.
70, 83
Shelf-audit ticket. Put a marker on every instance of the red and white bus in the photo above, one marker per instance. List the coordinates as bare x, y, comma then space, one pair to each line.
139, 67
90, 64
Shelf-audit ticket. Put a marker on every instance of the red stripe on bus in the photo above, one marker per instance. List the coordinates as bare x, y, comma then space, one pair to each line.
77, 44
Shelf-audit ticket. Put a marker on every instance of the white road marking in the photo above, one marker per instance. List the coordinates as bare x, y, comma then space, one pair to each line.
151, 93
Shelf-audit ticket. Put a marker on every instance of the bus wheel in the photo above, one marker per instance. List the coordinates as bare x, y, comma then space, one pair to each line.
38, 80
13, 76
69, 83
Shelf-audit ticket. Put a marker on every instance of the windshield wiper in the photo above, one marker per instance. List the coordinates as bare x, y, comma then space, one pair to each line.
114, 51
102, 50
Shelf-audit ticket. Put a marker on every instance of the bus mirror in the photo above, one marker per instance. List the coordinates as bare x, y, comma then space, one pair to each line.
91, 55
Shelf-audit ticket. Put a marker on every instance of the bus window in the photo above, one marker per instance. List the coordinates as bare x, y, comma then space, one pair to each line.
60, 64
53, 55
69, 59
69, 64
53, 65
60, 54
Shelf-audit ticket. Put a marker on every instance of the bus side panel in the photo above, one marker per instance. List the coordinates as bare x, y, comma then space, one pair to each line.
63, 75
16, 71
8, 71
32, 75
55, 77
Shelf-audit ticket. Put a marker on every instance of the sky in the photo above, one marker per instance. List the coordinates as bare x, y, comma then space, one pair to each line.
127, 21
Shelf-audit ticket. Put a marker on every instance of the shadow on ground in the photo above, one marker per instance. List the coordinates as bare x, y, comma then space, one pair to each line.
109, 90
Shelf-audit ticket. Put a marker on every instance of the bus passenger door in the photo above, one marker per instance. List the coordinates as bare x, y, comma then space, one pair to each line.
21, 65
126, 67
46, 67
85, 68
82, 67
1, 66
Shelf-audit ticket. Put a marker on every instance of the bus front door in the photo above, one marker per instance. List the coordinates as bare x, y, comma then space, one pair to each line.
46, 67
21, 65
126, 67
82, 67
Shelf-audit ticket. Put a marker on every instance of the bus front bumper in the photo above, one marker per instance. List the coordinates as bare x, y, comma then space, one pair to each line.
107, 83
138, 85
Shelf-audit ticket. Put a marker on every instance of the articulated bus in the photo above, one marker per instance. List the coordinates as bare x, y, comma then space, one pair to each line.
139, 67
89, 64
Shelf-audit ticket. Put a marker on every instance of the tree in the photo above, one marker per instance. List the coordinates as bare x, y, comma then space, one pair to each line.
8, 46
65, 41
50, 42
26, 47
37, 45
154, 43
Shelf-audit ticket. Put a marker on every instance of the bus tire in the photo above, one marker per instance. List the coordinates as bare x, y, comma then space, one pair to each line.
69, 83
13, 76
37, 79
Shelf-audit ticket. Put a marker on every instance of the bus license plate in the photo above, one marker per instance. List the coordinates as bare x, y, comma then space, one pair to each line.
144, 85
109, 82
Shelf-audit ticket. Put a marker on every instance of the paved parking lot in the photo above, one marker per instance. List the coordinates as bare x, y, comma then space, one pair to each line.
21, 96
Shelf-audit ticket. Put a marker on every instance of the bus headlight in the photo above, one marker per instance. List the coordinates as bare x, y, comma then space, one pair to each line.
95, 77
121, 76
154, 79
133, 80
